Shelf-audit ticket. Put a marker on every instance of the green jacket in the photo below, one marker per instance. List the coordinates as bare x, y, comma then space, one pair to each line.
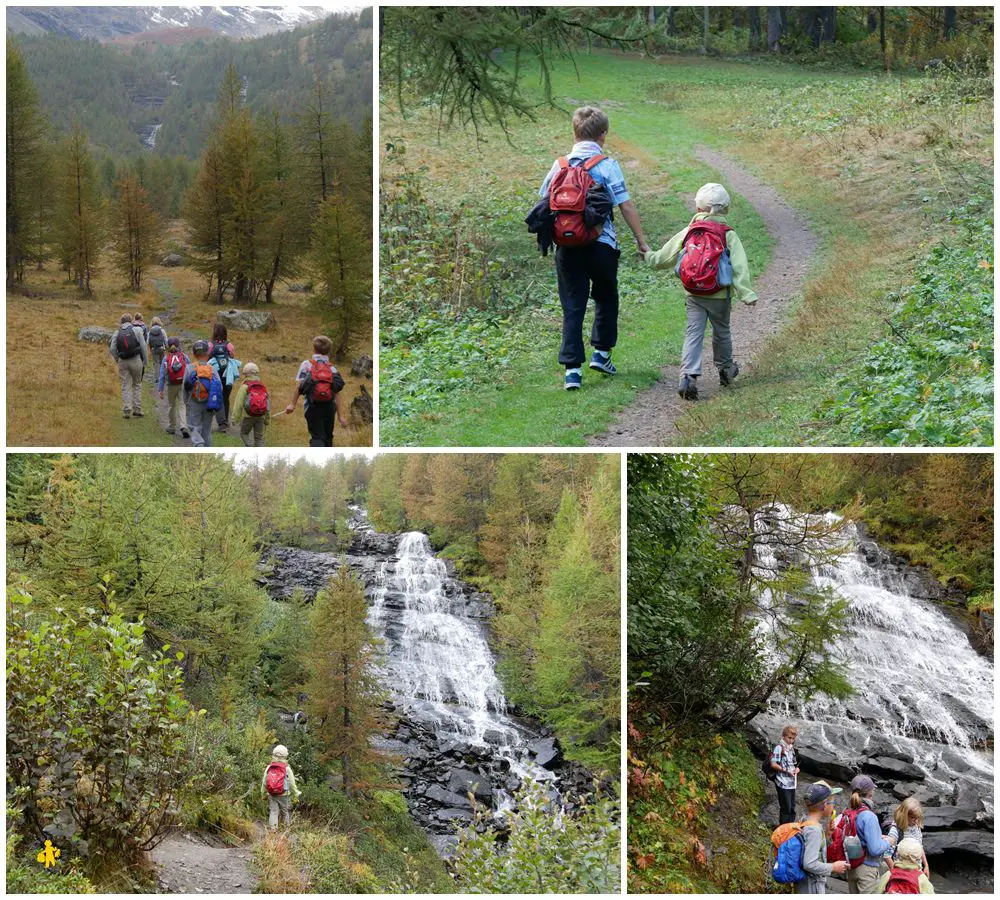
741, 289
289, 781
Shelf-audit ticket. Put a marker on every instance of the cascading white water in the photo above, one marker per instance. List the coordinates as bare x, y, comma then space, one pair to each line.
439, 663
919, 683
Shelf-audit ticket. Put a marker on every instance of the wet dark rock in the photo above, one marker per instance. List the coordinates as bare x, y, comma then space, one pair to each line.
941, 817
547, 753
893, 768
446, 798
977, 842
462, 782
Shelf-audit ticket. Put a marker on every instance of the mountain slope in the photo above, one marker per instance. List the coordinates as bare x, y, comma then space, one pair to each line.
109, 23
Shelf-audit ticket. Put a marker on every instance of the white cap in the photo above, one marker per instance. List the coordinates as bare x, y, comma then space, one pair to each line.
280, 752
712, 198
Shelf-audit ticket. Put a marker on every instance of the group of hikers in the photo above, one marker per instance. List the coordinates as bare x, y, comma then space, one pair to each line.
575, 213
878, 857
199, 391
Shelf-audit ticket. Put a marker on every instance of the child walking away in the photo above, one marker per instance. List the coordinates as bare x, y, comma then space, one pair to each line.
128, 349
907, 822
581, 190
223, 357
170, 380
157, 343
252, 407
278, 785
905, 876
203, 391
712, 264
320, 383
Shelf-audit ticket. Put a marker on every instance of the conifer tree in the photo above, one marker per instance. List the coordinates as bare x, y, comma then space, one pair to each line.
244, 260
343, 686
81, 211
206, 209
317, 141
136, 230
385, 506
25, 165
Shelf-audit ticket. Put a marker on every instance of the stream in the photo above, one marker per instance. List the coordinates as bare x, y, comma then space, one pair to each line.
454, 733
921, 719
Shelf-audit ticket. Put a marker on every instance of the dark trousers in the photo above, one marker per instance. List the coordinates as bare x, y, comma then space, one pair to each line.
319, 418
786, 805
585, 272
222, 416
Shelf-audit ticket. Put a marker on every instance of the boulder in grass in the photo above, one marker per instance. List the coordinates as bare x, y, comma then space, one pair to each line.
96, 334
246, 319
300, 288
363, 366
172, 259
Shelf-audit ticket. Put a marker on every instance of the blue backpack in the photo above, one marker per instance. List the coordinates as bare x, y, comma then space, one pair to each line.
788, 854
207, 387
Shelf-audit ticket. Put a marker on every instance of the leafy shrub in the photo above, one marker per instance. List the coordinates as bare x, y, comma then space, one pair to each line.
931, 381
95, 731
25, 875
543, 853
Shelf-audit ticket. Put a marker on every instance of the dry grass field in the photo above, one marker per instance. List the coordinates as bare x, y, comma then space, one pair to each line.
65, 392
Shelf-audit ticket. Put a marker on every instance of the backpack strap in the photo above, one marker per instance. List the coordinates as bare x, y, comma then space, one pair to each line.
593, 161
562, 162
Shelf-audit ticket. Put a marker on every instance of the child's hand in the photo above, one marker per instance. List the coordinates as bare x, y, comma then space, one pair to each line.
290, 408
343, 421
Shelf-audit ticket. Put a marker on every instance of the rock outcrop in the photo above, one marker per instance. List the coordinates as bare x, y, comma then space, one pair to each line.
246, 319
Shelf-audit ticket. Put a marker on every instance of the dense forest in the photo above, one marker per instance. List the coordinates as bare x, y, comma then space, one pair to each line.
728, 622
136, 612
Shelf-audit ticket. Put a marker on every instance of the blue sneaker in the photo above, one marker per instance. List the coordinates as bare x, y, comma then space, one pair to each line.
573, 381
602, 363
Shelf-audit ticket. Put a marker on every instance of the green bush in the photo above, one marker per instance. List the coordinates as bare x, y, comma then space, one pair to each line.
95, 731
25, 875
543, 853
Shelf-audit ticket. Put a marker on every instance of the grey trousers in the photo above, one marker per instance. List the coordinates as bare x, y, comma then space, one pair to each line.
176, 407
864, 879
282, 804
700, 312
199, 420
253, 424
130, 371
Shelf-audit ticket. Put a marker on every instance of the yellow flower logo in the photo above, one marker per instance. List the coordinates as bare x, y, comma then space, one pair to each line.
49, 855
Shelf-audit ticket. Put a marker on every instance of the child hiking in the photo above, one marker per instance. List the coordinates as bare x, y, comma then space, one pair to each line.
581, 190
907, 825
252, 407
800, 847
128, 349
203, 391
170, 381
713, 268
278, 785
222, 356
320, 383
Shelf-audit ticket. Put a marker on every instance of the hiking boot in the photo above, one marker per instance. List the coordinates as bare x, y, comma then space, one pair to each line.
137, 414
728, 376
602, 363
171, 431
687, 387
573, 381
126, 414
185, 433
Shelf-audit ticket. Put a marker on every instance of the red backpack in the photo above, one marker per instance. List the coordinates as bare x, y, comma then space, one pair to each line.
903, 881
567, 199
274, 778
175, 367
846, 827
704, 249
321, 377
256, 401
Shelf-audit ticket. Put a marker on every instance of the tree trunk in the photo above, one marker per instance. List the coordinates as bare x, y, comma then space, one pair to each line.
704, 37
881, 37
774, 29
809, 24
950, 21
754, 27
829, 22
872, 21
671, 21
650, 16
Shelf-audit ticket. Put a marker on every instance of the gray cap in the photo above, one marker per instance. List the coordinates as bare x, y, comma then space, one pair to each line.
862, 784
200, 347
818, 793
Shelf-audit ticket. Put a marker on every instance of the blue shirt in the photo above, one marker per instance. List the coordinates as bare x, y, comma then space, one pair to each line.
606, 172
870, 832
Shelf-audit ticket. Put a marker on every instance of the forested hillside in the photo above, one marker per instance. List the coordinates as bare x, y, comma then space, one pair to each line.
139, 609
118, 90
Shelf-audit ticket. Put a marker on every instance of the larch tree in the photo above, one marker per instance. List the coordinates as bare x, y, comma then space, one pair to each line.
317, 140
81, 211
244, 259
206, 209
25, 158
136, 230
343, 685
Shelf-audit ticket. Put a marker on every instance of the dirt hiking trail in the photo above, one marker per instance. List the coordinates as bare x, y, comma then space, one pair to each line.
651, 419
172, 297
185, 864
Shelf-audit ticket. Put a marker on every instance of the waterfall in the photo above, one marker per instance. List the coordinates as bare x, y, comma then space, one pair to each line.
923, 695
438, 662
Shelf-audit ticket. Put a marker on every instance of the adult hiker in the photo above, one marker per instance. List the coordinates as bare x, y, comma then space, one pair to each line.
156, 341
818, 800
222, 356
278, 785
860, 814
785, 766
906, 876
128, 349
137, 320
